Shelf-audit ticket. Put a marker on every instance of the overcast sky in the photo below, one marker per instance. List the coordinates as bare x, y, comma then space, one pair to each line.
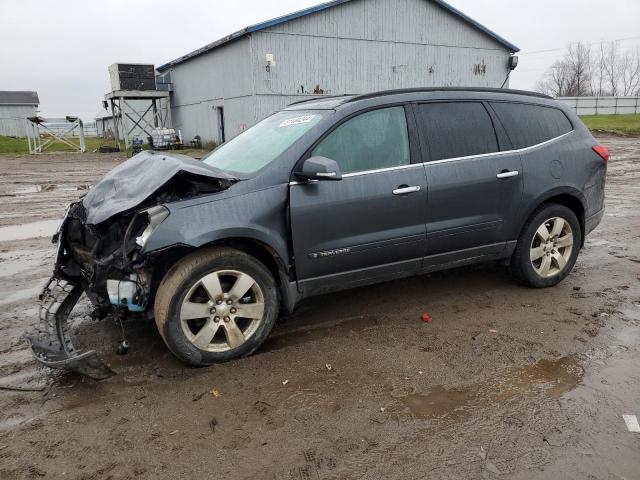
62, 48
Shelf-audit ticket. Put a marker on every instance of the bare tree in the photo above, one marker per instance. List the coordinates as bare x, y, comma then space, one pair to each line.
630, 76
571, 75
579, 60
582, 72
598, 72
612, 67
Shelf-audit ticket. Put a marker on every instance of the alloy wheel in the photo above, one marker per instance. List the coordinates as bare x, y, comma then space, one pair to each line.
222, 310
551, 247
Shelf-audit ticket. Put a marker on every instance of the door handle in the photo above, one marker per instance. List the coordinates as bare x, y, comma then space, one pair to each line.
508, 174
402, 190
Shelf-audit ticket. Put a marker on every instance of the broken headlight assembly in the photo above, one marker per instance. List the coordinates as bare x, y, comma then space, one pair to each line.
155, 216
131, 290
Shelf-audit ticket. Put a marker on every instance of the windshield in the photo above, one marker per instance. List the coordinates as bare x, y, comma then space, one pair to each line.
264, 142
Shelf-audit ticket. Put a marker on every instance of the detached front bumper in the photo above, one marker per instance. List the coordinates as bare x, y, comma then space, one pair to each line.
52, 343
103, 262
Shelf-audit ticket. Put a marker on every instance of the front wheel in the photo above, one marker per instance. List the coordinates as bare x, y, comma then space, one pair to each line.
548, 247
216, 305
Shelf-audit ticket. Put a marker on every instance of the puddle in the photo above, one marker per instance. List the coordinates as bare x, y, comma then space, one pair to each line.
440, 402
25, 294
44, 228
23, 261
46, 187
554, 378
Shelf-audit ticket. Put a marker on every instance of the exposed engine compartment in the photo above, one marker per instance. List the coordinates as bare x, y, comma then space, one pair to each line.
100, 250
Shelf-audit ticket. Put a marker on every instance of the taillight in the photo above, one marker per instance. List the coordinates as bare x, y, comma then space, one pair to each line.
602, 151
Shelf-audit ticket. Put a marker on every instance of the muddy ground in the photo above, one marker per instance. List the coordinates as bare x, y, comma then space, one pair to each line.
505, 382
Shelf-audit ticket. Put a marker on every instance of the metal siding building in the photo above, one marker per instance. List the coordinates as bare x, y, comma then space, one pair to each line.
341, 47
15, 107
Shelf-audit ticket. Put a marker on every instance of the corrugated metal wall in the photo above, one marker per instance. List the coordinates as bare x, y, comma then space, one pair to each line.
13, 119
220, 78
357, 47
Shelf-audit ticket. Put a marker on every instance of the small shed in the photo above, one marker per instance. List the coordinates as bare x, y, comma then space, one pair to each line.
15, 108
104, 124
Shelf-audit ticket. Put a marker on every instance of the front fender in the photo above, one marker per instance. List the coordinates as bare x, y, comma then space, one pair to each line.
259, 215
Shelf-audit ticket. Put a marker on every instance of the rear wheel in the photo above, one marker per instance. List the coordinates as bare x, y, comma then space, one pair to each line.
548, 246
216, 305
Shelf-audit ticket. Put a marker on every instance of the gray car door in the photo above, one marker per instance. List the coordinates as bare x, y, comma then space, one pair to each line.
475, 190
369, 225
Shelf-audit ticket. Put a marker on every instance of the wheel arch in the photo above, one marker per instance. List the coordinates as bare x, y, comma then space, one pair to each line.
569, 197
258, 249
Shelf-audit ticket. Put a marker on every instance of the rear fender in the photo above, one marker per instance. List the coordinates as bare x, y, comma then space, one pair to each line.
569, 196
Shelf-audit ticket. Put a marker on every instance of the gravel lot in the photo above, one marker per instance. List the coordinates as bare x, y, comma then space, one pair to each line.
505, 382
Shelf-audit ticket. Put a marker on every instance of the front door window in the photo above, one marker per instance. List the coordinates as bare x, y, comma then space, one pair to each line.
373, 140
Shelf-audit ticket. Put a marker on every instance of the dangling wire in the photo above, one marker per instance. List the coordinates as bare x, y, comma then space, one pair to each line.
506, 79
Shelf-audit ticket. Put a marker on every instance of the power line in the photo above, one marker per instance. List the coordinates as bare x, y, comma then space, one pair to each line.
590, 43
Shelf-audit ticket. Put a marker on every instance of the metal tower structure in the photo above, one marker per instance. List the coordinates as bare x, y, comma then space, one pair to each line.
126, 118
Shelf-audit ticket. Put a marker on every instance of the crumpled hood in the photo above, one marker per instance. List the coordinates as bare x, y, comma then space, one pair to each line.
134, 181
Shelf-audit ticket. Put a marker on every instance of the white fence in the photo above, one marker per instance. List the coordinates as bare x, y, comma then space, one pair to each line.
602, 105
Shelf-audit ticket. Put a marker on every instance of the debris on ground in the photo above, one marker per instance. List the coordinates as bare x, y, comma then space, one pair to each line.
123, 348
285, 382
426, 317
212, 424
482, 453
632, 423
198, 396
215, 393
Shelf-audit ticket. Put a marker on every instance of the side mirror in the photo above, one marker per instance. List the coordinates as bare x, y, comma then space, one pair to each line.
319, 168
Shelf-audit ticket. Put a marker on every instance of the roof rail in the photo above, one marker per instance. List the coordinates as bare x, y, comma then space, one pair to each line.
320, 97
447, 89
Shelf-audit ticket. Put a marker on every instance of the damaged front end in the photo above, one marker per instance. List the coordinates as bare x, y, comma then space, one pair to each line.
100, 251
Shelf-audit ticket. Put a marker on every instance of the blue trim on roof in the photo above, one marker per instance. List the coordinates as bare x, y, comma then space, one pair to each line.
318, 8
478, 25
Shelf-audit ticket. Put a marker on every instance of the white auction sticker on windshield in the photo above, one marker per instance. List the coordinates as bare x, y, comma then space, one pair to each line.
297, 120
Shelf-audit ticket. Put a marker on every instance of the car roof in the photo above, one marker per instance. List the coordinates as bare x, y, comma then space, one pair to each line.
411, 94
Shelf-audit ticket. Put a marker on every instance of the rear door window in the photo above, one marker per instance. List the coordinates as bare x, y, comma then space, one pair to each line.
370, 141
456, 129
528, 125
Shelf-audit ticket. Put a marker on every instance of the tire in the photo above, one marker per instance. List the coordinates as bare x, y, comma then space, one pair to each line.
541, 263
186, 292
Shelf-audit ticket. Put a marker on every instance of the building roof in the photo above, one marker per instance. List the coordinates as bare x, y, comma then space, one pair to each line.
103, 114
19, 98
318, 8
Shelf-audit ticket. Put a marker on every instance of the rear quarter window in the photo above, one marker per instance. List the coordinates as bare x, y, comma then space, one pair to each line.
527, 125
